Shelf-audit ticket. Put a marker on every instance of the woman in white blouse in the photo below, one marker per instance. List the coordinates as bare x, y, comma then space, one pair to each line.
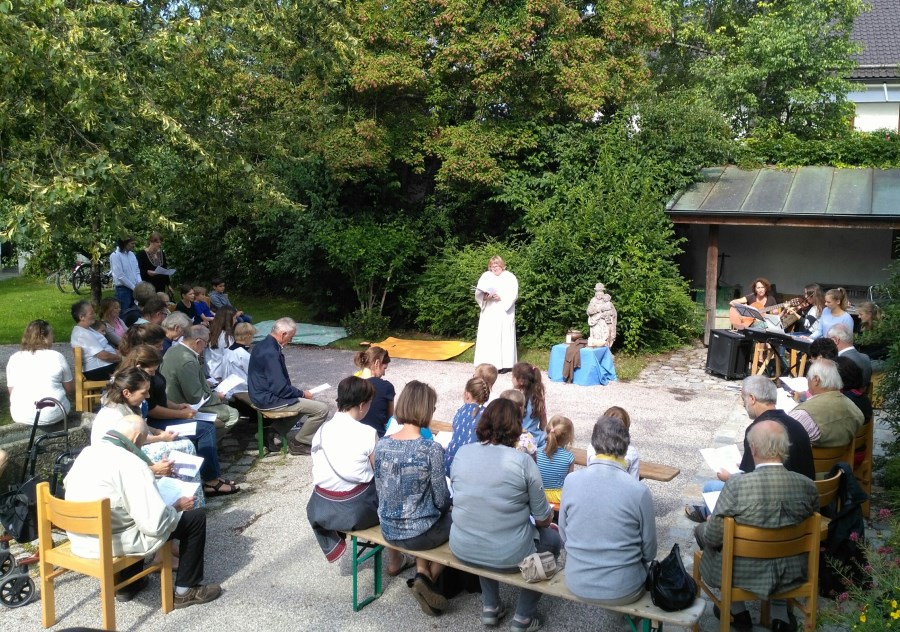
36, 372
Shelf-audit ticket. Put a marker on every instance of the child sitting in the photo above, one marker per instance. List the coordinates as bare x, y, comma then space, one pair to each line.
201, 303
527, 379
632, 458
219, 298
488, 373
466, 418
526, 442
237, 356
555, 461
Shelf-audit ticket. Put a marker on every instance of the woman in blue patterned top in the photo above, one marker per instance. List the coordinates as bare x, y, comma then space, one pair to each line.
413, 498
466, 418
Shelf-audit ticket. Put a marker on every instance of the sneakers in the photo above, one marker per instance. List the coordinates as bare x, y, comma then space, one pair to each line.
534, 625
131, 590
491, 617
198, 594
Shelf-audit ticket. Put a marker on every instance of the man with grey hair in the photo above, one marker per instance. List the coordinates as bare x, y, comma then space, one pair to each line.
116, 468
758, 394
270, 389
770, 497
831, 420
186, 382
843, 338
175, 325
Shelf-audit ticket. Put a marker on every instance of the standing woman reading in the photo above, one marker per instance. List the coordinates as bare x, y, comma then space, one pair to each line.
496, 295
151, 257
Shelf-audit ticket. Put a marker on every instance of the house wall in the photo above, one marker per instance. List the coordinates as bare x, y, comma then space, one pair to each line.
790, 257
872, 116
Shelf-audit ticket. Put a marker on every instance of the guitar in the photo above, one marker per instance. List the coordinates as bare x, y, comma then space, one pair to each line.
742, 322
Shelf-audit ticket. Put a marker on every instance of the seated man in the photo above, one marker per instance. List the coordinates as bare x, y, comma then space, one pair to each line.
186, 378
99, 357
270, 388
758, 393
117, 469
770, 497
830, 419
843, 338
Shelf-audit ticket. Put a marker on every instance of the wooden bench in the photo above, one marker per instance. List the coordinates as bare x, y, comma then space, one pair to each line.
86, 391
373, 543
244, 398
649, 470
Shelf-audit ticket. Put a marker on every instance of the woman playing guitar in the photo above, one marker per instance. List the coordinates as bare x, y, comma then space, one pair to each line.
760, 299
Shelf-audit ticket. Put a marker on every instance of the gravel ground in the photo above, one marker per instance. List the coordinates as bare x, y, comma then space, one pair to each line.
262, 551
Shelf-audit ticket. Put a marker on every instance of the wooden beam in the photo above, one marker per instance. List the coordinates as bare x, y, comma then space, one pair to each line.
793, 222
712, 275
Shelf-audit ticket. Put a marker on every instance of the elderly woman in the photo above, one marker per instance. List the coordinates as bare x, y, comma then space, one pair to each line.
496, 492
607, 566
496, 295
174, 324
36, 372
413, 499
99, 357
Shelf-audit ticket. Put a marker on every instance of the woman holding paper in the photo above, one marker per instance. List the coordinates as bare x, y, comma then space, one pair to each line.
150, 258
163, 413
125, 395
496, 295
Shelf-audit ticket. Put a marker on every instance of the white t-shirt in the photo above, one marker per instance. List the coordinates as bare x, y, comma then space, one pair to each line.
348, 444
91, 342
33, 376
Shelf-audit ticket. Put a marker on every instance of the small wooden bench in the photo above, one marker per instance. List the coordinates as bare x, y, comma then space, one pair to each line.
244, 398
86, 391
649, 470
652, 617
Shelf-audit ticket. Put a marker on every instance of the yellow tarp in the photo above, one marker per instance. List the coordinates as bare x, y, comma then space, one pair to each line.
423, 349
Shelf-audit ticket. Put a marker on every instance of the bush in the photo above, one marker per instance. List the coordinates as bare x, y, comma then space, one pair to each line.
366, 323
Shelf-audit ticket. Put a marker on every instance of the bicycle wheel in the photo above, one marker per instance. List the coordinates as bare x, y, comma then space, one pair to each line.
80, 278
63, 281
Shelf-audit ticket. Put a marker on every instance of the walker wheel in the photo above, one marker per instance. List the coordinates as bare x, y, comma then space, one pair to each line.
7, 563
17, 591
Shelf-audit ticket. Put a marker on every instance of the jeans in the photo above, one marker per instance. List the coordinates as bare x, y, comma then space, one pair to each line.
528, 599
125, 296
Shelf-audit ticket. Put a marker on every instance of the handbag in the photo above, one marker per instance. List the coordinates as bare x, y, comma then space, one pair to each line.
538, 567
669, 585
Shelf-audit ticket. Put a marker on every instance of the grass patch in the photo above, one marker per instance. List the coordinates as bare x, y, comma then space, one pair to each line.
24, 299
629, 367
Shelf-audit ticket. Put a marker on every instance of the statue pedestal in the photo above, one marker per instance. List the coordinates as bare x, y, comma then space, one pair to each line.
594, 342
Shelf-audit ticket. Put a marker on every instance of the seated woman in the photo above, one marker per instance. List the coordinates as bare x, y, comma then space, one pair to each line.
607, 566
115, 326
413, 499
836, 303
36, 372
186, 304
174, 324
221, 336
161, 413
99, 358
496, 492
125, 395
373, 364
760, 299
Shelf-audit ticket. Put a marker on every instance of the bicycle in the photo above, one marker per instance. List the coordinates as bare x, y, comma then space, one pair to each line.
80, 276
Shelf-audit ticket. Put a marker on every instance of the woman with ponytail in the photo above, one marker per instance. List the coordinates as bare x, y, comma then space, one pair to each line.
555, 461
373, 363
835, 313
465, 420
527, 379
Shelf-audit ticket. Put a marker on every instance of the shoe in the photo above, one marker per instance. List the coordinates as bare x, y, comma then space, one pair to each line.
427, 595
198, 594
211, 490
272, 440
131, 590
740, 621
491, 618
694, 513
502, 371
406, 561
431, 612
298, 449
534, 625
785, 626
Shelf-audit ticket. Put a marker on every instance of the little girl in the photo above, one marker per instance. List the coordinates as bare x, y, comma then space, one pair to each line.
466, 418
527, 379
632, 458
555, 461
526, 442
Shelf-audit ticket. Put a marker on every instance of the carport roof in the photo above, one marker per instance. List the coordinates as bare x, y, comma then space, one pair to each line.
821, 197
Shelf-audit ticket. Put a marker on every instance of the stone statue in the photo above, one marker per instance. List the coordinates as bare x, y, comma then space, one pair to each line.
602, 318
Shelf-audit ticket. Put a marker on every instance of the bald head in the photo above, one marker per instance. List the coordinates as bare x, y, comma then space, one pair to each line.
768, 442
133, 427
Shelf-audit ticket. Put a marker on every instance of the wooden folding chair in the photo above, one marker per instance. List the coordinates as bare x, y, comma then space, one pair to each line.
828, 491
86, 391
826, 458
89, 518
760, 543
863, 442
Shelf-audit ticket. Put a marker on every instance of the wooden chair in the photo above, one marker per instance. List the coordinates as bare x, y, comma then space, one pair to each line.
828, 491
86, 391
863, 442
826, 458
89, 518
755, 542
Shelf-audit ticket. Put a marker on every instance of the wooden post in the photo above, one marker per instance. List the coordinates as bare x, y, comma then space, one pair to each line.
712, 274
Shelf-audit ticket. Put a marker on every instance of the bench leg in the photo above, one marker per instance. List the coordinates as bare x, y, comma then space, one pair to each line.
375, 552
261, 445
646, 625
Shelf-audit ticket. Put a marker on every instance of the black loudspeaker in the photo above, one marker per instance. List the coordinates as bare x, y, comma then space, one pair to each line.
728, 354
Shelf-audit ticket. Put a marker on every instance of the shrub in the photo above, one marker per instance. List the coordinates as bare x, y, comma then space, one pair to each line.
366, 323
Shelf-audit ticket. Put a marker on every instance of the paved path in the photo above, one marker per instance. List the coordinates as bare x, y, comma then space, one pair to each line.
261, 548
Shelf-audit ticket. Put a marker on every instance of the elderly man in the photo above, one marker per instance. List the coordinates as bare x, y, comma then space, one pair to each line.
843, 338
186, 379
125, 272
831, 420
769, 497
758, 394
270, 389
117, 469
99, 358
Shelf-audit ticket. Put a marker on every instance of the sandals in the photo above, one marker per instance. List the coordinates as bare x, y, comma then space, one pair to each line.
215, 489
406, 561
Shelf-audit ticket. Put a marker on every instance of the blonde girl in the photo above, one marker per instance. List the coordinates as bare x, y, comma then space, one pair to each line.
555, 461
475, 396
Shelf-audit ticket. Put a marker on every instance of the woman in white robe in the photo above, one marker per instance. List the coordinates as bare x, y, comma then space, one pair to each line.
496, 295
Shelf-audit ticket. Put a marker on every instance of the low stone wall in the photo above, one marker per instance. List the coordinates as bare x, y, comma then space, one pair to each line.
14, 439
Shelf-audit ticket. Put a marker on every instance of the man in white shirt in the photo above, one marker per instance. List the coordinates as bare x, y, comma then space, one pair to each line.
99, 358
125, 272
117, 469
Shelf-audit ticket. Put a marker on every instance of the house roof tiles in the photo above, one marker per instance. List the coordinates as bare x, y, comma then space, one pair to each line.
878, 30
